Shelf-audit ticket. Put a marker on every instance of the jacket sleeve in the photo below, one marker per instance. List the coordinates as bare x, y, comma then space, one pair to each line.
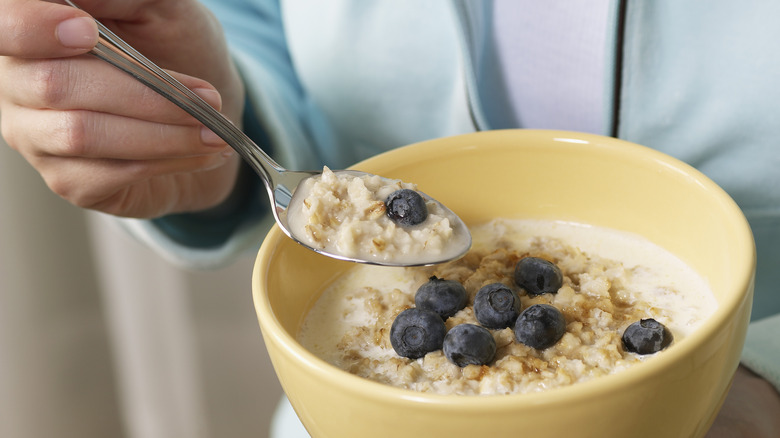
762, 346
274, 118
762, 349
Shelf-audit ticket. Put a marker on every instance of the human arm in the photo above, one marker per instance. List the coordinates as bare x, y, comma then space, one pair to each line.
274, 117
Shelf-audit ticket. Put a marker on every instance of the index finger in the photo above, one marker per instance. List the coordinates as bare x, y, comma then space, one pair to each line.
39, 29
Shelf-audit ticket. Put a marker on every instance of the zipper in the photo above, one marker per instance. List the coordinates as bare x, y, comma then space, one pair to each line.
617, 79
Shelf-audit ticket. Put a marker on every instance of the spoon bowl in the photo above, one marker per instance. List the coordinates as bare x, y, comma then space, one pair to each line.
280, 183
348, 215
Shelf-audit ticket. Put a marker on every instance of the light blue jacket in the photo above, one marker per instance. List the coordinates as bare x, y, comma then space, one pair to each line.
337, 81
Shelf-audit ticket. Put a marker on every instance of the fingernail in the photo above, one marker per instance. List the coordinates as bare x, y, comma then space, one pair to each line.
211, 97
207, 136
78, 33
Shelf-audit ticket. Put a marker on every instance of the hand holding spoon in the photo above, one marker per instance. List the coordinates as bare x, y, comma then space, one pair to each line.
280, 183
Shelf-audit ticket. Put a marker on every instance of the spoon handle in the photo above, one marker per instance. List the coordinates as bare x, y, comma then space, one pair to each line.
115, 51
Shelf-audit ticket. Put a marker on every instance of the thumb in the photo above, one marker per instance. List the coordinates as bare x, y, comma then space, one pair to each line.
37, 29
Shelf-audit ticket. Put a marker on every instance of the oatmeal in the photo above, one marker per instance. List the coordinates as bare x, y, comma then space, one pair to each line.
610, 280
347, 215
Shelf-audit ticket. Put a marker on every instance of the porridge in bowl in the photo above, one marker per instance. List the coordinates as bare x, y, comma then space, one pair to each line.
598, 301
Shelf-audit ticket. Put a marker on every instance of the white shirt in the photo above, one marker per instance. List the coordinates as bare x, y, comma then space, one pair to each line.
560, 39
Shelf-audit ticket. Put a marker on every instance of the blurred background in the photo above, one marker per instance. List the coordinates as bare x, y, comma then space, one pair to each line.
99, 337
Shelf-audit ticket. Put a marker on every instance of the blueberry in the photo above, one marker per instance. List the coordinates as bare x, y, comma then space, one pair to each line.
417, 332
445, 297
646, 336
540, 326
469, 344
406, 207
538, 276
496, 306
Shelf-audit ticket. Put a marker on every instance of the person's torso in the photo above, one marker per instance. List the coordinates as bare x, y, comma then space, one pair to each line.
692, 79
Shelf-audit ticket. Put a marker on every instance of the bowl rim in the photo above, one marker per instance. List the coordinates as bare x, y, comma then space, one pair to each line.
587, 390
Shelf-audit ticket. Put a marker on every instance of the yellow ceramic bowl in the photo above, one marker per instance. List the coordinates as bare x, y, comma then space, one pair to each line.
534, 174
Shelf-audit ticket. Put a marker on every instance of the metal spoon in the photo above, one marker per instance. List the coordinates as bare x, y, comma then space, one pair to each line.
279, 182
